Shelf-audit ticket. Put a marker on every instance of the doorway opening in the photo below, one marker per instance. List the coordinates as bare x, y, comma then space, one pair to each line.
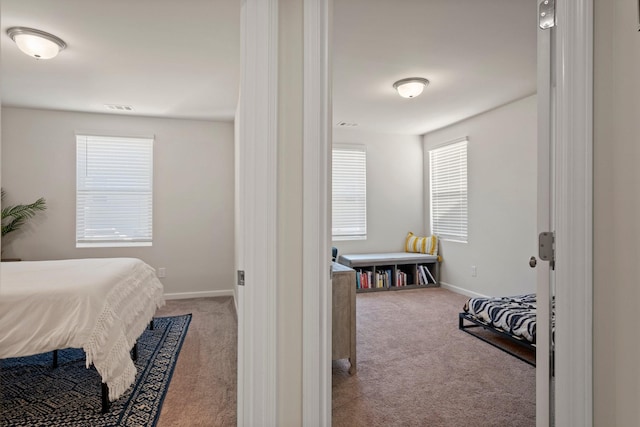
482, 87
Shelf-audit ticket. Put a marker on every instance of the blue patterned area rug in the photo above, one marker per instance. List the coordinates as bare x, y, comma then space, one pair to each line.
33, 394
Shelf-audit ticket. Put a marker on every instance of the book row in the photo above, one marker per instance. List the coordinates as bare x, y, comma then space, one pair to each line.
387, 278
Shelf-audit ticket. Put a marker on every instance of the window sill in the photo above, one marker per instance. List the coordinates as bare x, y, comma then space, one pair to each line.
343, 238
113, 244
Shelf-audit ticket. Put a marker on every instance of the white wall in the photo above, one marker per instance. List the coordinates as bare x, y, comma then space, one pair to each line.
193, 192
616, 373
395, 190
289, 252
502, 170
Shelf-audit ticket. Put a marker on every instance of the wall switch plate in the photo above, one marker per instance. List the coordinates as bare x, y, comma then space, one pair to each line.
162, 272
474, 271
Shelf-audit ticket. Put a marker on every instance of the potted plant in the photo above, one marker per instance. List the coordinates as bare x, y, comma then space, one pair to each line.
14, 217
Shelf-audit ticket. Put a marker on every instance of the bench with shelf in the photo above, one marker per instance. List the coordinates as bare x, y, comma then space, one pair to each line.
393, 271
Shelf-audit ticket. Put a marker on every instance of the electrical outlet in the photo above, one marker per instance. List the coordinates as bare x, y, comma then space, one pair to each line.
474, 271
162, 272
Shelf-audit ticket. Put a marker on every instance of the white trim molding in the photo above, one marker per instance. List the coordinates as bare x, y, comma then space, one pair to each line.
257, 127
316, 286
461, 291
199, 294
574, 214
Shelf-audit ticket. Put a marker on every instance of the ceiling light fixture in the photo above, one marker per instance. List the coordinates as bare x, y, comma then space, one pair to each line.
411, 87
36, 43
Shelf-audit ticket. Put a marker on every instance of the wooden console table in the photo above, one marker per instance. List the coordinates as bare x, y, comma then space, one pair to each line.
344, 315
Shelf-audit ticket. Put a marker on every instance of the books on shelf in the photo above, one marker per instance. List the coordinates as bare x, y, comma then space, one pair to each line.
401, 278
363, 279
433, 280
425, 276
393, 277
374, 279
383, 279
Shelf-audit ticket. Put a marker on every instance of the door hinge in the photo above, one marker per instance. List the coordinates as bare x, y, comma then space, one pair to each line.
240, 277
547, 14
547, 248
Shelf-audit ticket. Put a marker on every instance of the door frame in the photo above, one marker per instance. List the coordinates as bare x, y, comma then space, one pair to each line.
574, 213
257, 117
316, 267
573, 201
574, 235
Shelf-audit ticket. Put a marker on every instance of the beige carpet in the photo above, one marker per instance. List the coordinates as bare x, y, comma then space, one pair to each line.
415, 368
203, 387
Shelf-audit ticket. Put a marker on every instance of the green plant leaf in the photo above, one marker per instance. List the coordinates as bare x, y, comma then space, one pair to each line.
13, 217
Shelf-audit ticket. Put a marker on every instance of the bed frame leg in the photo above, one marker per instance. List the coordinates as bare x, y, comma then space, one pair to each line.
134, 352
151, 325
105, 398
54, 364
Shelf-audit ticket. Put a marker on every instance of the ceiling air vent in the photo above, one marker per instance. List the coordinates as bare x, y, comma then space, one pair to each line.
346, 125
116, 107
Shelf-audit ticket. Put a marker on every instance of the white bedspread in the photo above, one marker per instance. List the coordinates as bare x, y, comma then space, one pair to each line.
101, 305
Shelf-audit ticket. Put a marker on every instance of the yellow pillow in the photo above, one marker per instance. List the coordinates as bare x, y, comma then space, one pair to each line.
421, 245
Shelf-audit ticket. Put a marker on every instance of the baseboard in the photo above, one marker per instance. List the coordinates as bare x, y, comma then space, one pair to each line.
202, 294
461, 291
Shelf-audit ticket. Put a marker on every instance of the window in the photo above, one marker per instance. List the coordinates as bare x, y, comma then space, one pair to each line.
349, 191
114, 183
448, 167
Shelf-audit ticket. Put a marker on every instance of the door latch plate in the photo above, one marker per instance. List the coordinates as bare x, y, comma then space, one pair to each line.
240, 277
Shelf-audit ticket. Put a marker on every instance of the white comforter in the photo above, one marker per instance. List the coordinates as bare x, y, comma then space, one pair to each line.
101, 305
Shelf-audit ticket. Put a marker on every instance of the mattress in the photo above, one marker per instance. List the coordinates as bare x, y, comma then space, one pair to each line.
514, 315
101, 305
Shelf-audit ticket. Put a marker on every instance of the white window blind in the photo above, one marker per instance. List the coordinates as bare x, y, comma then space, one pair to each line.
349, 189
448, 166
114, 204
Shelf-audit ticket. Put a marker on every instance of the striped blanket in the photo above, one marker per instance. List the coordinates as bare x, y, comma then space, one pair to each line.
514, 315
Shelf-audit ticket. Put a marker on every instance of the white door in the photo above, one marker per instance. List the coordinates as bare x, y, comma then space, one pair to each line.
565, 158
545, 97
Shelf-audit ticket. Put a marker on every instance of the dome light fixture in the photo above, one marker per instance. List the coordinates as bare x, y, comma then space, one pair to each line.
35, 43
411, 87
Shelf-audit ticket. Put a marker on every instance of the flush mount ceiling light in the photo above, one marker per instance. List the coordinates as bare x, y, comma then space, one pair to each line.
411, 87
36, 43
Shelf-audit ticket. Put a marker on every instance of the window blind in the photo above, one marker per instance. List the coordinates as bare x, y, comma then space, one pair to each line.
448, 172
114, 186
349, 193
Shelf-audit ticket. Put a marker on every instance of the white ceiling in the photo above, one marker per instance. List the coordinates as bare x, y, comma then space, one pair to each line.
477, 54
173, 58
181, 58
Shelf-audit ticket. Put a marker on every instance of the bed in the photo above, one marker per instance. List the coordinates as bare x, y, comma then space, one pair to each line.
101, 305
513, 318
